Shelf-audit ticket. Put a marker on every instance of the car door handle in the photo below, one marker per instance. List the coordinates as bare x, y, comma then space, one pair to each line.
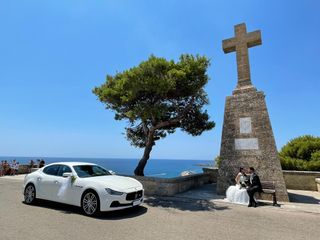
56, 182
39, 179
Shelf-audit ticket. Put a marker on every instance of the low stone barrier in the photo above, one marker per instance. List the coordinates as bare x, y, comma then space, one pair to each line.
23, 169
171, 186
301, 180
213, 171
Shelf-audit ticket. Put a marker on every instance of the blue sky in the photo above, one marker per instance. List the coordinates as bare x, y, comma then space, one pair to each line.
52, 53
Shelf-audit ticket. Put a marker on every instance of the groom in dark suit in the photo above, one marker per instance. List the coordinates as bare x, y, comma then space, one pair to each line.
254, 186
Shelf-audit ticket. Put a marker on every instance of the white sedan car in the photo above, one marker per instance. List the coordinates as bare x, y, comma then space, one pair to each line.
86, 185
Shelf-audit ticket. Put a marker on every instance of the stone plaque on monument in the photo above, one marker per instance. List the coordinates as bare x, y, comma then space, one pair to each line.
246, 144
245, 125
247, 136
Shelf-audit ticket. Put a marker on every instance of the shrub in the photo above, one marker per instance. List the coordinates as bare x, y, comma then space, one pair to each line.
217, 161
301, 153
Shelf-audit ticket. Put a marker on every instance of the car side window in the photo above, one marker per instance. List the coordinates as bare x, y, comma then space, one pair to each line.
63, 169
51, 170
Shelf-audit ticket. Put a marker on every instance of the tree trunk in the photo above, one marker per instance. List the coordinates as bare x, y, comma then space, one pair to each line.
139, 171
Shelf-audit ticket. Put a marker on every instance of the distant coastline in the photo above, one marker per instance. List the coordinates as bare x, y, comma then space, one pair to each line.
164, 168
204, 165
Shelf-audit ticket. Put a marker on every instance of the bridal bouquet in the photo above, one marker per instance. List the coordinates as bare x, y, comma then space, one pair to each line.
243, 181
73, 179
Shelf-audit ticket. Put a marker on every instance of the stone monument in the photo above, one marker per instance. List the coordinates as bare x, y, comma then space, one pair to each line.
247, 137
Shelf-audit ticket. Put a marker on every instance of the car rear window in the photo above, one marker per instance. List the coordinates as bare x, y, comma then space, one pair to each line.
51, 170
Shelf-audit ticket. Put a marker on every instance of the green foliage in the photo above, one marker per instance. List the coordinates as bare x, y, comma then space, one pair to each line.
159, 91
217, 161
158, 96
302, 153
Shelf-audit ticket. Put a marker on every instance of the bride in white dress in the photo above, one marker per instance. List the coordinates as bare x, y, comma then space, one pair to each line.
238, 193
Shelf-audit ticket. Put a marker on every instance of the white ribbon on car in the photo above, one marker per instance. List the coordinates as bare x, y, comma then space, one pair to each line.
66, 183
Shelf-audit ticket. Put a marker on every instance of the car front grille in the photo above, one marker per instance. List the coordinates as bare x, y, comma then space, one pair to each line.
117, 204
134, 195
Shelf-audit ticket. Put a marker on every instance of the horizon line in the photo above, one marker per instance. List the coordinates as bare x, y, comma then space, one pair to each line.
125, 158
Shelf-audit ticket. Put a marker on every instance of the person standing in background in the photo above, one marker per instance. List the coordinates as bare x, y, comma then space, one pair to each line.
31, 165
41, 163
6, 167
1, 169
13, 167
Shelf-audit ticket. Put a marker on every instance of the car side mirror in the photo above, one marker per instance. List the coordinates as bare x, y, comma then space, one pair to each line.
112, 172
67, 174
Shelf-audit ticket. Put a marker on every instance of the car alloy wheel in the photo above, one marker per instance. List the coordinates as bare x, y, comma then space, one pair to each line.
29, 194
90, 203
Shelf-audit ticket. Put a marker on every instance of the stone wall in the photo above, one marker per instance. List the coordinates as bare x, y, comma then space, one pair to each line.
23, 169
301, 180
171, 186
213, 171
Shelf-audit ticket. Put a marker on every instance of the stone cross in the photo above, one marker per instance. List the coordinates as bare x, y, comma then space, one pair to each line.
240, 44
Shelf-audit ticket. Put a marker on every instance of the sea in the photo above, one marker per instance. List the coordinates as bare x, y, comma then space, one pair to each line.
163, 168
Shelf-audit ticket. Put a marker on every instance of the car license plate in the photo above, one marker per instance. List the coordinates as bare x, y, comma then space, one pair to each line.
135, 203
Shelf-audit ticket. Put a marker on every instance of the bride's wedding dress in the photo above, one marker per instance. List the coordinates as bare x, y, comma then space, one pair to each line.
237, 193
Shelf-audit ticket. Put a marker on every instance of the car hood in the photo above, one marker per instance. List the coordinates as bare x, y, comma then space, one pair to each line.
118, 183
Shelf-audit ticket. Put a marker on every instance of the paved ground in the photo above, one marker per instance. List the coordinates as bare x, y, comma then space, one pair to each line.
302, 201
186, 216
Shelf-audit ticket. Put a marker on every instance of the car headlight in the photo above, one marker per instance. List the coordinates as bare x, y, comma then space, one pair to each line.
113, 192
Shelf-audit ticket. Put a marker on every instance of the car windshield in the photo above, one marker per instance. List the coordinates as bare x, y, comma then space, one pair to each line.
84, 171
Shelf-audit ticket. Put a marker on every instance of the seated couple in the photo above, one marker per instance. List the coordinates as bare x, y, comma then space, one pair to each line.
247, 184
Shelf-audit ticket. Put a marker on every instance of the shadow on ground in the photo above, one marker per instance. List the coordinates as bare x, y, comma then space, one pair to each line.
184, 204
114, 215
299, 198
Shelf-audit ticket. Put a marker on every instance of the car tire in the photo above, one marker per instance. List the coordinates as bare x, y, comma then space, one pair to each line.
90, 203
30, 194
